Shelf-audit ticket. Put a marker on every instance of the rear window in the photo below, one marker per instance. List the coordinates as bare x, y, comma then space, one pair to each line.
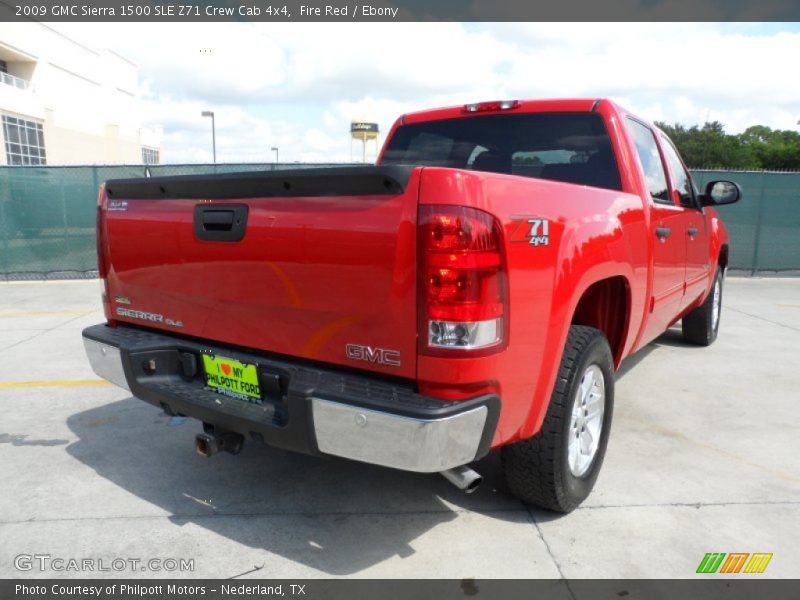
569, 147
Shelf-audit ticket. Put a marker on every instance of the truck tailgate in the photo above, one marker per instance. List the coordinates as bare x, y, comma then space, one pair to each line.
326, 260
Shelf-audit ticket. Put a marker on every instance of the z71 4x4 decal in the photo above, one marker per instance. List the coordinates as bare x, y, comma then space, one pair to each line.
531, 230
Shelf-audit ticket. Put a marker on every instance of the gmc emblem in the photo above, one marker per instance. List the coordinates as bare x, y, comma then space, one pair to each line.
381, 356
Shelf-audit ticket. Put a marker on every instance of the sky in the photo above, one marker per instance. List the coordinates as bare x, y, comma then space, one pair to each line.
297, 86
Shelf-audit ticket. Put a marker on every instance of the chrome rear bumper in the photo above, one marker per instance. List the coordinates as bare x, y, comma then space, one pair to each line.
401, 442
106, 361
315, 411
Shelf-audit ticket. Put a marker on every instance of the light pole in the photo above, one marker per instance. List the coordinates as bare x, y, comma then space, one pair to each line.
210, 113
275, 150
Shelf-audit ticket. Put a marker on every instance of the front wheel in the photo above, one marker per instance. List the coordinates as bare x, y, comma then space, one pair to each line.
702, 324
556, 469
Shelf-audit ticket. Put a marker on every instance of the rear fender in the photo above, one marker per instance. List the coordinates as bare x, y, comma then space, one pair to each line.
591, 253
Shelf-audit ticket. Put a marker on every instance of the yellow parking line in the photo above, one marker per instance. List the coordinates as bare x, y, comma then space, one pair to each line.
36, 313
53, 383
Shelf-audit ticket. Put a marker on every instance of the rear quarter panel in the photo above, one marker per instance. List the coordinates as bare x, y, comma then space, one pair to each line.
593, 234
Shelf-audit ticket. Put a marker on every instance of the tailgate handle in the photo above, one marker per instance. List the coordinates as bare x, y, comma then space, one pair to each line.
220, 222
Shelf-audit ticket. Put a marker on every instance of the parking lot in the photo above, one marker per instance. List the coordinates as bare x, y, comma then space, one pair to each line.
703, 457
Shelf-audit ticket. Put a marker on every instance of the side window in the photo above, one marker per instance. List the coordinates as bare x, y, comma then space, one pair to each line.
680, 178
653, 168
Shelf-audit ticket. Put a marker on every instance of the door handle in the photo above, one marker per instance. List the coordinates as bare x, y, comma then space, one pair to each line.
692, 231
663, 232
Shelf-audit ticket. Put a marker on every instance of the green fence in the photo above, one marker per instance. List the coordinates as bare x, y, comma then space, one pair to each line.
765, 225
47, 216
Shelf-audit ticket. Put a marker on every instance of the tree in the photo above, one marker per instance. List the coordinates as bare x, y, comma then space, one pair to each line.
710, 146
775, 149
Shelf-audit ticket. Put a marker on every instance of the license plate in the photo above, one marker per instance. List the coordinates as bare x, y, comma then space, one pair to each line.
231, 377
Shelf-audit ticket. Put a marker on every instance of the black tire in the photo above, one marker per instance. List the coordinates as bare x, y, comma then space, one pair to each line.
699, 326
537, 470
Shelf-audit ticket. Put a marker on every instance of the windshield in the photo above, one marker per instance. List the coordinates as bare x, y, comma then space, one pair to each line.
569, 147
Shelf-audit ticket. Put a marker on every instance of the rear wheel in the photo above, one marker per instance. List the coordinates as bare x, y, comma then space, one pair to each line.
557, 468
702, 324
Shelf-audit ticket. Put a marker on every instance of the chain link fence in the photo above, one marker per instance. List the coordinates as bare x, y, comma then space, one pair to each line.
764, 226
47, 216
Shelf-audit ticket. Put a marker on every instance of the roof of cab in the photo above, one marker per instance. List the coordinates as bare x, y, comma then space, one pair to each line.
524, 106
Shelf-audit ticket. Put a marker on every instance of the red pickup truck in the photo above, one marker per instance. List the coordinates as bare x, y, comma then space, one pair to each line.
474, 290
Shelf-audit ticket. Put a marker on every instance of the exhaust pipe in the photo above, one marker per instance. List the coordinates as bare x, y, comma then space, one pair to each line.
463, 478
208, 444
205, 445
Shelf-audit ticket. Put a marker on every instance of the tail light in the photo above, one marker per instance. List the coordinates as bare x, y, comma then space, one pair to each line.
462, 281
102, 258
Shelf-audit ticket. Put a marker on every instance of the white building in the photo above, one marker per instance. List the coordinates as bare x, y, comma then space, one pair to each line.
64, 103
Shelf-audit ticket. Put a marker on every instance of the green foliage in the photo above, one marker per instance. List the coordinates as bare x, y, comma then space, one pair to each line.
759, 147
528, 160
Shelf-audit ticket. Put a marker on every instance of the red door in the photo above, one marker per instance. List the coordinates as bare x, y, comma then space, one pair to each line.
667, 230
693, 227
669, 264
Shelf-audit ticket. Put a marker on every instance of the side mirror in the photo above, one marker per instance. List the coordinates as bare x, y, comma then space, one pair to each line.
721, 192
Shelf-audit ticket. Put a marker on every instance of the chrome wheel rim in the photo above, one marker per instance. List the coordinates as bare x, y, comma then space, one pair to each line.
586, 423
717, 303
